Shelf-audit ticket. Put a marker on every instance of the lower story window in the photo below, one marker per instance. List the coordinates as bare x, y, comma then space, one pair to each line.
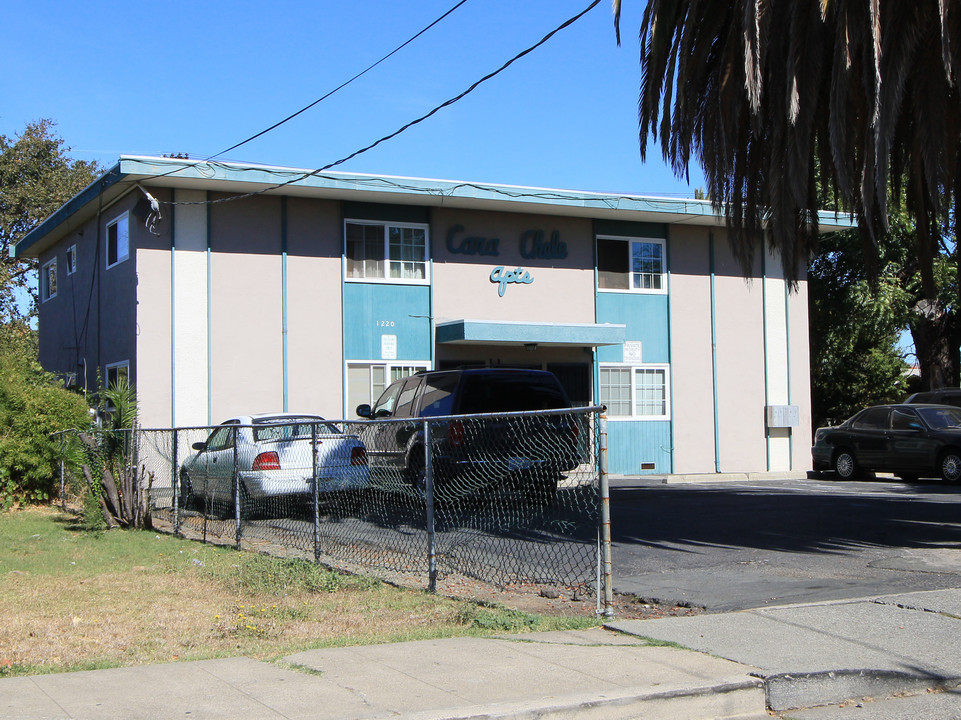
635, 391
367, 381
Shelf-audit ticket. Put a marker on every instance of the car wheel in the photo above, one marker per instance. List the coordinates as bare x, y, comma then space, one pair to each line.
186, 498
951, 466
541, 488
417, 471
845, 465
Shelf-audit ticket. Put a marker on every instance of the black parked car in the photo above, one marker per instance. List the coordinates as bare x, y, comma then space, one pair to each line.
471, 455
911, 441
941, 396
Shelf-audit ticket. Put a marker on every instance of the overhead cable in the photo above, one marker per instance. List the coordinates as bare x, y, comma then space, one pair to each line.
303, 176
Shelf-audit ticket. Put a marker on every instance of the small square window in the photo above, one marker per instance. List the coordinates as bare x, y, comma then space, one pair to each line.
118, 241
71, 260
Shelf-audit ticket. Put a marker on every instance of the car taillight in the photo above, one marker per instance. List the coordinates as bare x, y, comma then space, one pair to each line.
266, 461
358, 456
455, 433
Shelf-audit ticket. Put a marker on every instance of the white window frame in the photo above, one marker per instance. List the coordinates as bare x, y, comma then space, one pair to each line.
635, 371
385, 278
629, 243
71, 260
416, 365
125, 365
46, 293
123, 219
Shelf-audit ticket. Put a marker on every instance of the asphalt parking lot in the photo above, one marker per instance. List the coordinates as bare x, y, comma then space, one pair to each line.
731, 545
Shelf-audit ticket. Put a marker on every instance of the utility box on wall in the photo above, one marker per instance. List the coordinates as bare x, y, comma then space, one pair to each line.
782, 416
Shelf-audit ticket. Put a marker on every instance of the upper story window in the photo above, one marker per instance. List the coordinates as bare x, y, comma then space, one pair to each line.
71, 260
118, 240
386, 252
631, 265
48, 280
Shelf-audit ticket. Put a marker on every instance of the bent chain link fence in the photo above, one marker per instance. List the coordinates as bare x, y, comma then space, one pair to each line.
513, 499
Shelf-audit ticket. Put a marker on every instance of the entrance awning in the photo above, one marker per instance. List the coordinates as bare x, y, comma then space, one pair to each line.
486, 332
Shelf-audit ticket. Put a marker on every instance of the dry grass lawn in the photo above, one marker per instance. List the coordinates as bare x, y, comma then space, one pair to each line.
74, 599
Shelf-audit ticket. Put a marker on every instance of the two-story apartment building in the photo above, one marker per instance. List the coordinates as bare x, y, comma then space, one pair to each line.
260, 289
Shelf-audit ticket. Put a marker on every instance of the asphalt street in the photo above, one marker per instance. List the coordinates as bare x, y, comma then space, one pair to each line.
730, 545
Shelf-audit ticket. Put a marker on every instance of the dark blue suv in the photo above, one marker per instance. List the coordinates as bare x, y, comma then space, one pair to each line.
476, 447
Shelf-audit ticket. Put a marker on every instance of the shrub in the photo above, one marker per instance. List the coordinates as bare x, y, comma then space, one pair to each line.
33, 406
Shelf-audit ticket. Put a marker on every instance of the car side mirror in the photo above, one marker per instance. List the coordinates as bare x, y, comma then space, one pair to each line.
363, 411
199, 446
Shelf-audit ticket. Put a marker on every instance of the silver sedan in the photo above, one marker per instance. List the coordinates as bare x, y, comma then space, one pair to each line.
273, 456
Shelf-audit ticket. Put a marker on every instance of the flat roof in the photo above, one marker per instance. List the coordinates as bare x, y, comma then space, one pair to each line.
246, 179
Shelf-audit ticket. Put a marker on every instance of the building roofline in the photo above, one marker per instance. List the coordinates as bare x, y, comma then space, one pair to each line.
247, 179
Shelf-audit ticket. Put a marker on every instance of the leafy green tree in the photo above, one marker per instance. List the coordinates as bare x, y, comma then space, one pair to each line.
33, 406
36, 177
855, 327
774, 99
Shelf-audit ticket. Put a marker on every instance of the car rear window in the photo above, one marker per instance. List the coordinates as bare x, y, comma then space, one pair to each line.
438, 395
269, 429
510, 393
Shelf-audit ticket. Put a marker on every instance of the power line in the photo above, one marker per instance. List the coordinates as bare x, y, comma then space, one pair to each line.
456, 98
339, 87
324, 97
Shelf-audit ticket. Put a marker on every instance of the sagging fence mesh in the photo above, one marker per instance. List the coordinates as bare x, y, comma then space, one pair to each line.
507, 499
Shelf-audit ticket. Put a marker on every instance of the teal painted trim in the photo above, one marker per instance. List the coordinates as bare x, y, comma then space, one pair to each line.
64, 212
633, 442
787, 342
670, 339
767, 383
283, 296
210, 372
173, 312
644, 315
482, 331
343, 313
386, 213
372, 310
430, 296
717, 430
626, 228
596, 370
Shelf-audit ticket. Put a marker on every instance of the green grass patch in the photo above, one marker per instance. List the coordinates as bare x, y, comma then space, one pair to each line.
75, 599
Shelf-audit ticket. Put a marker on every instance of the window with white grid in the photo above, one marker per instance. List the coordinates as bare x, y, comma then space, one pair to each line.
385, 252
640, 392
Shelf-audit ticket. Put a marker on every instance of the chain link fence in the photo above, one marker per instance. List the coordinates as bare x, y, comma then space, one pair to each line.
515, 499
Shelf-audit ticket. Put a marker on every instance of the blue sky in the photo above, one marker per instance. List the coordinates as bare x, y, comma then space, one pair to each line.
200, 76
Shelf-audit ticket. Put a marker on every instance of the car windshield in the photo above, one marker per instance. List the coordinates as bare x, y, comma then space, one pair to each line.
286, 428
941, 417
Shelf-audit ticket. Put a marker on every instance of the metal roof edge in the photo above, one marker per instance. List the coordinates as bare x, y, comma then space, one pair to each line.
109, 178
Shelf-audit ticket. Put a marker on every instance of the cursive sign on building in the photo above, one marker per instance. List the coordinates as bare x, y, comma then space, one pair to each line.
504, 277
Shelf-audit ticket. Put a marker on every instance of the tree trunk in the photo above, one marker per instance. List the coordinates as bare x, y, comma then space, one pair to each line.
936, 341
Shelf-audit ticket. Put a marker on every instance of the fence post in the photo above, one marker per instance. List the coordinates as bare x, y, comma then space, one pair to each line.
605, 529
429, 502
313, 475
63, 484
236, 486
175, 481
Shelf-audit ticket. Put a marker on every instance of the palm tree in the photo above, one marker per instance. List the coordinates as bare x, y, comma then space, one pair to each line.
781, 100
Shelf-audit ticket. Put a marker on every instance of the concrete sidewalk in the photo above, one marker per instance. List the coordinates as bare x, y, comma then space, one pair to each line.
580, 674
738, 665
827, 653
